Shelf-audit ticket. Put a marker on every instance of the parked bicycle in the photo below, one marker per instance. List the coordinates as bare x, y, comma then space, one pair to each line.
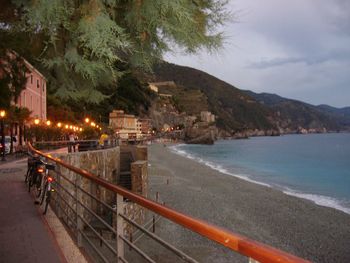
37, 176
46, 187
34, 173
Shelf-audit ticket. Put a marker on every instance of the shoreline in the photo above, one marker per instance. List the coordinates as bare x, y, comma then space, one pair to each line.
318, 199
289, 223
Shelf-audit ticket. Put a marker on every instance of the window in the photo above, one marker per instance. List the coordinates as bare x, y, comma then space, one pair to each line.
31, 79
43, 86
37, 83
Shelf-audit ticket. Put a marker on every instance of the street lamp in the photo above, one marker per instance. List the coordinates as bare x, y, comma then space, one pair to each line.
2, 116
87, 120
36, 121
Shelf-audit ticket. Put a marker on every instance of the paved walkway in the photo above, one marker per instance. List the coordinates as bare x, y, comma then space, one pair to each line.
24, 234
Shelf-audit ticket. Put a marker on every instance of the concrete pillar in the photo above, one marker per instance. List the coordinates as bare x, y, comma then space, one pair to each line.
141, 153
139, 177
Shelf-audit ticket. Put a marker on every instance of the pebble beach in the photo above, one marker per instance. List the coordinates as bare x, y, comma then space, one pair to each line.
261, 213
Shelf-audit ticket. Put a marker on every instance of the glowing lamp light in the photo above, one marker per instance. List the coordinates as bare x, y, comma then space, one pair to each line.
81, 129
93, 124
59, 125
50, 179
48, 123
66, 126
70, 127
87, 120
2, 113
36, 121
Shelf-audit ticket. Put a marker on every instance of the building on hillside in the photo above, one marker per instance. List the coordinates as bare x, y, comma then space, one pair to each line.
153, 87
207, 116
145, 126
126, 126
161, 87
33, 96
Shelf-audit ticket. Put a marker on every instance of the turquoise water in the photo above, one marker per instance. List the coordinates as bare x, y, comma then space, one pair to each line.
315, 167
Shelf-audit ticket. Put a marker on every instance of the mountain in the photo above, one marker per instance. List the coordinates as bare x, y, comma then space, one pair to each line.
239, 110
341, 115
292, 114
235, 110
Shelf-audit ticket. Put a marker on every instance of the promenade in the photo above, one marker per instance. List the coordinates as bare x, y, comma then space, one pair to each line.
24, 234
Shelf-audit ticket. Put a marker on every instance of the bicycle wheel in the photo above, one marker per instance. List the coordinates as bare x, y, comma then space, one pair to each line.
38, 182
48, 198
44, 193
27, 175
30, 179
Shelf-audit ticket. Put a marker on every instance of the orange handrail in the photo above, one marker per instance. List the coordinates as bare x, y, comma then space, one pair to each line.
236, 242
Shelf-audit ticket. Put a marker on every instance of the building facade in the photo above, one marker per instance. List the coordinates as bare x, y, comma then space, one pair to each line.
33, 96
126, 126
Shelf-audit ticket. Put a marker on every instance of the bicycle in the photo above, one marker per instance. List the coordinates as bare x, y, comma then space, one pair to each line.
34, 173
46, 187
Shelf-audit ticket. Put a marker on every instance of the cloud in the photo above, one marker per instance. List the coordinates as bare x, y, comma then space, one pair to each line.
299, 49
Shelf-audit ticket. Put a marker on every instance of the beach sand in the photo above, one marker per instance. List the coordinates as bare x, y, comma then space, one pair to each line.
261, 213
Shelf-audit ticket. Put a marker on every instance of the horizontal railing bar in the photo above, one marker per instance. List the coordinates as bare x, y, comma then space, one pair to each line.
236, 242
94, 247
88, 209
86, 192
71, 208
66, 178
123, 260
145, 226
139, 251
98, 217
98, 200
68, 193
98, 235
176, 251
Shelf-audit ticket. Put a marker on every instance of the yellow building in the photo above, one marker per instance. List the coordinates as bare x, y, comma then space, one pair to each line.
124, 125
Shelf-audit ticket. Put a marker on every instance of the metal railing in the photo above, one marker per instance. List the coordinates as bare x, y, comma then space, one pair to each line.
90, 218
76, 146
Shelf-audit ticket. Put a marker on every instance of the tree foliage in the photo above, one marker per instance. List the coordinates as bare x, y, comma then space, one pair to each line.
80, 43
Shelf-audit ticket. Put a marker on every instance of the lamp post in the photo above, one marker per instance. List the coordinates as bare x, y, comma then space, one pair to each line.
2, 116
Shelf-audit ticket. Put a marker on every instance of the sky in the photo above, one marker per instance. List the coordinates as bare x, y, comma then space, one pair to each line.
297, 49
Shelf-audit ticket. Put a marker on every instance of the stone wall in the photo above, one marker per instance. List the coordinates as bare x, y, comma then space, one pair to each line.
104, 164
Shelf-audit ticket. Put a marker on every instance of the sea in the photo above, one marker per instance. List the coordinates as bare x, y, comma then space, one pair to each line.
312, 166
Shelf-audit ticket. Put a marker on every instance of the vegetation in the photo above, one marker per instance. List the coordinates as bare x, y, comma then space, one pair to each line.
235, 110
79, 44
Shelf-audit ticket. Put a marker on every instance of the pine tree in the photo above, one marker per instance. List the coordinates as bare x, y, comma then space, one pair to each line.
81, 43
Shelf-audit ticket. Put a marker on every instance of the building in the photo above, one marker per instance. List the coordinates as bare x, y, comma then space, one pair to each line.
145, 126
126, 126
33, 96
207, 116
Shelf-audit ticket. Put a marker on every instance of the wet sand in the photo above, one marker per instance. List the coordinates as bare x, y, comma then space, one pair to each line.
295, 225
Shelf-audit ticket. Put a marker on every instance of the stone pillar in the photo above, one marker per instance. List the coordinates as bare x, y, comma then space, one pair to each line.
139, 177
141, 153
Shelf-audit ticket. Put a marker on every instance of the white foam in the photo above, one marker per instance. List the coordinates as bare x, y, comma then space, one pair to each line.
321, 200
216, 167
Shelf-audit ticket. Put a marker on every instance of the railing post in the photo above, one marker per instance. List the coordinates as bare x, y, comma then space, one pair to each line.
58, 195
79, 210
120, 228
